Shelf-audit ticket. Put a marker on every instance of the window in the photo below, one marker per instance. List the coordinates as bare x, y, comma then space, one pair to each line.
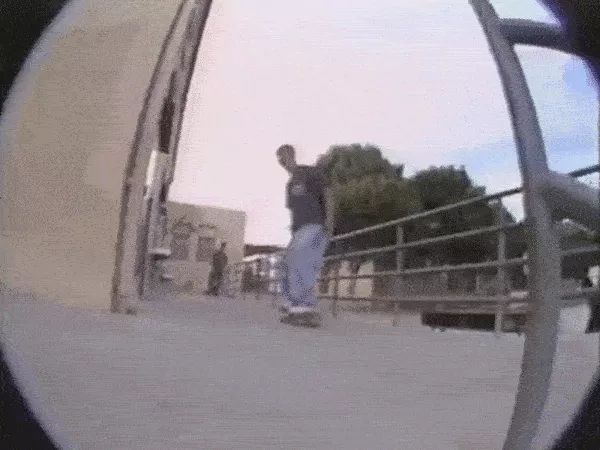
206, 248
181, 233
180, 248
164, 192
166, 125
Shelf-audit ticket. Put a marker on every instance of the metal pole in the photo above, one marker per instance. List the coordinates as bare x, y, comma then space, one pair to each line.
258, 286
399, 268
499, 319
543, 245
244, 282
336, 282
272, 283
502, 281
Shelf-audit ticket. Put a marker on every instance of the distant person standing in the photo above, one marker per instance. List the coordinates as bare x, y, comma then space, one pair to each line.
310, 205
215, 277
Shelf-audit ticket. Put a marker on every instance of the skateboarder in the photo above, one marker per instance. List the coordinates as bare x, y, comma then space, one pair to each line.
215, 277
310, 203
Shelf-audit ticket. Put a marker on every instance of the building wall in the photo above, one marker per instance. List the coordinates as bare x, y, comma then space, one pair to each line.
265, 267
71, 126
220, 224
170, 83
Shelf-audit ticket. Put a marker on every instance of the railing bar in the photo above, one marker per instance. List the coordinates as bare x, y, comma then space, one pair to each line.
462, 234
581, 250
485, 198
465, 299
456, 268
568, 295
428, 241
582, 293
462, 299
436, 269
349, 255
431, 212
585, 171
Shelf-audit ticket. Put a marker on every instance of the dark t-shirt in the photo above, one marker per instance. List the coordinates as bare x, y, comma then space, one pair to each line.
306, 197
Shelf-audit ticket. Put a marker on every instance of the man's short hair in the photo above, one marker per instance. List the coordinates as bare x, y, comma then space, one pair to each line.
286, 148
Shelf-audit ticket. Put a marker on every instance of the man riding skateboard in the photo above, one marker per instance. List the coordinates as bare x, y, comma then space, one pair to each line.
311, 207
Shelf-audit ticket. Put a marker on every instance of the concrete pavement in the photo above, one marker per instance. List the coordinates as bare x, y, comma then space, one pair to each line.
205, 373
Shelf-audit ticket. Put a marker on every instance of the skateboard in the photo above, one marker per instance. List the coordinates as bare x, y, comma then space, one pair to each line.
308, 319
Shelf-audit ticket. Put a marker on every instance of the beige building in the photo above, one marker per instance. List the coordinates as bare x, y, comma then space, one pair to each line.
194, 233
104, 90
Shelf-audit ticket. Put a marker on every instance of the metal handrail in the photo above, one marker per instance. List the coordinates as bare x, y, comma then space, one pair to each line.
588, 293
545, 193
425, 242
495, 264
398, 247
470, 201
567, 297
426, 214
430, 270
502, 300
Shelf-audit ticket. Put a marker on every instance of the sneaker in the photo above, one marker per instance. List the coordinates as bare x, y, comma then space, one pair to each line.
285, 307
302, 309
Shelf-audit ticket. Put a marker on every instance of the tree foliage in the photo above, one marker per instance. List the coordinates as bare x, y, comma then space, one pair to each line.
446, 185
372, 200
345, 163
370, 190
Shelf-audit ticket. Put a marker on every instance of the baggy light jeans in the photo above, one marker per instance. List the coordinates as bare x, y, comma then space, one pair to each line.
302, 265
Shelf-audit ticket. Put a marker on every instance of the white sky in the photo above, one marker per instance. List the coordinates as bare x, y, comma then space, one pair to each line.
415, 78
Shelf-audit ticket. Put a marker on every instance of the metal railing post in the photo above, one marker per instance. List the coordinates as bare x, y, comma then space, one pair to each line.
543, 245
499, 319
243, 286
272, 277
598, 227
501, 279
336, 282
477, 282
399, 268
258, 286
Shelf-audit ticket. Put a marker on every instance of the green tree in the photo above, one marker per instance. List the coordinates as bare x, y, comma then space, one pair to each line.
371, 200
369, 190
446, 185
344, 163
